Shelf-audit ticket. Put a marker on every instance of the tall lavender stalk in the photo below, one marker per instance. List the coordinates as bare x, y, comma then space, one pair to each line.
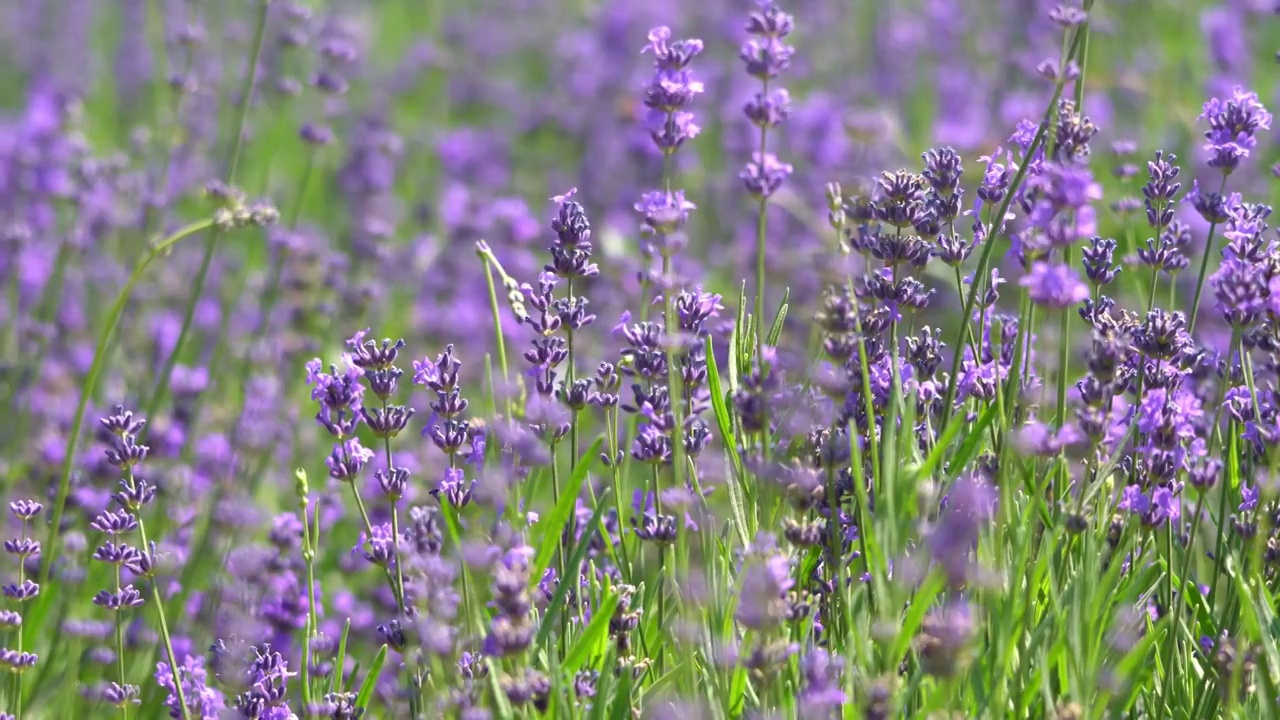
1233, 126
996, 177
135, 494
665, 213
765, 57
23, 547
234, 213
213, 238
571, 261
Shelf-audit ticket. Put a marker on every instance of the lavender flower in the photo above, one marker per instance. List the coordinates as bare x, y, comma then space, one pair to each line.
15, 661
664, 213
1233, 125
510, 631
764, 53
203, 702
1054, 286
1241, 290
762, 599
447, 428
266, 678
944, 638
764, 175
1160, 189
823, 693
1098, 259
1152, 508
671, 90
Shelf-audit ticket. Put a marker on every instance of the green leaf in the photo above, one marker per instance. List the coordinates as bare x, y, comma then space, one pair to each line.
1140, 661
554, 525
668, 678
1258, 618
622, 700
592, 640
351, 679
737, 692
562, 588
723, 422
603, 686
370, 680
341, 660
940, 448
920, 604
970, 446
742, 348
499, 696
775, 331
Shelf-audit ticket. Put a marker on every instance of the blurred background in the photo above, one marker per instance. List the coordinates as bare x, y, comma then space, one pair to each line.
392, 135
456, 120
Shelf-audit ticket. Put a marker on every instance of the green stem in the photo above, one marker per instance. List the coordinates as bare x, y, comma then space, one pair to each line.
1064, 352
395, 529
17, 677
160, 614
1204, 266
308, 558
124, 707
761, 228
1176, 637
368, 528
990, 235
498, 336
570, 378
211, 243
675, 379
96, 368
611, 426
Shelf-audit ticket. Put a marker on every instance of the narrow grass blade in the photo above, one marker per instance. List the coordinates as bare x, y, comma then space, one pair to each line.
775, 331
562, 588
371, 679
725, 425
553, 527
970, 446
591, 642
341, 660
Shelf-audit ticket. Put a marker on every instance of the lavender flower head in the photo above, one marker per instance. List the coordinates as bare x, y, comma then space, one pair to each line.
762, 601
671, 90
1054, 286
664, 212
764, 54
203, 701
1233, 126
765, 57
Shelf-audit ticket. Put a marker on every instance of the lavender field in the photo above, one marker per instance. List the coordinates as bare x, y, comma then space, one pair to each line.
612, 359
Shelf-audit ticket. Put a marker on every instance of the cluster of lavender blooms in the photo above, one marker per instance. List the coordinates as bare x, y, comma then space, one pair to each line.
1005, 445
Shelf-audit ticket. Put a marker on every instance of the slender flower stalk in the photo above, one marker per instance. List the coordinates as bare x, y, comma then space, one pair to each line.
571, 261
377, 363
310, 539
1064, 355
22, 548
229, 216
213, 238
122, 430
1214, 208
765, 57
340, 395
997, 225
1231, 137
665, 213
